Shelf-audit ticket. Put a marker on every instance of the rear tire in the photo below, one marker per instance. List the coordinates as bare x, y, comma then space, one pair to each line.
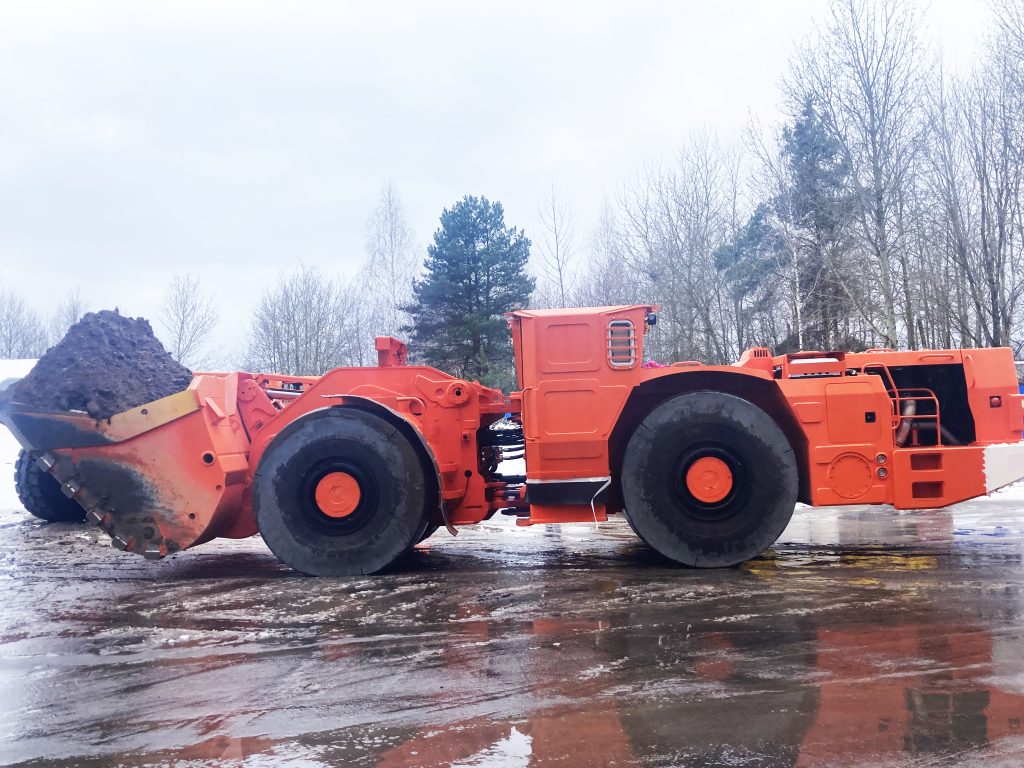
41, 495
719, 524
386, 521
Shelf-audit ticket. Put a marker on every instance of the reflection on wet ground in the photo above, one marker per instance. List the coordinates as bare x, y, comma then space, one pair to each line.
865, 637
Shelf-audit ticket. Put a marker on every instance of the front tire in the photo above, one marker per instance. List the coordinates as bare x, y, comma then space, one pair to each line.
340, 492
709, 480
41, 495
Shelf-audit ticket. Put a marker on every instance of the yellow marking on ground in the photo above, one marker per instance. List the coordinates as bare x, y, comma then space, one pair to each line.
890, 562
765, 568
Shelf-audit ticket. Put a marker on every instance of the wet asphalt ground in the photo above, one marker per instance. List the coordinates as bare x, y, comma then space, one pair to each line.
865, 637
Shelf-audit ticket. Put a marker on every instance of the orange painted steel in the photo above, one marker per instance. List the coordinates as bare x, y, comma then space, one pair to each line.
709, 479
337, 494
912, 428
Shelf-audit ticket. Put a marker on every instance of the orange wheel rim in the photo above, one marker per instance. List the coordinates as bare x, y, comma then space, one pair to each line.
709, 479
338, 494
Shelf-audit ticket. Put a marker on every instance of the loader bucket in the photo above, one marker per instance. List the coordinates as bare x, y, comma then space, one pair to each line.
158, 478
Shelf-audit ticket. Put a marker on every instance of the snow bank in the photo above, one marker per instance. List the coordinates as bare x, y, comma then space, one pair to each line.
10, 371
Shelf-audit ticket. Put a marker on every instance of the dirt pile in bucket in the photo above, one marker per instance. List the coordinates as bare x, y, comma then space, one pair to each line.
105, 364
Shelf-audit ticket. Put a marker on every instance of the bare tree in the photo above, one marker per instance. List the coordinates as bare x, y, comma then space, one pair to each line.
392, 263
865, 70
1006, 45
304, 325
605, 278
672, 221
22, 334
68, 312
976, 177
189, 318
557, 250
896, 220
773, 183
363, 322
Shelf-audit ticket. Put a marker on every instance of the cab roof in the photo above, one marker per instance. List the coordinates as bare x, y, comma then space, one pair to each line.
578, 311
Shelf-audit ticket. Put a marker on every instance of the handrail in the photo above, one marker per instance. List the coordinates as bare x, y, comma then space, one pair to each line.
905, 406
906, 416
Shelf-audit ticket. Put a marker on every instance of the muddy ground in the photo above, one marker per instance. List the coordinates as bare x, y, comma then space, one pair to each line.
866, 637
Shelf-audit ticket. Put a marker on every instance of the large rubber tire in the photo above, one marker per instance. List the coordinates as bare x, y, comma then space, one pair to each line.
41, 495
660, 505
391, 512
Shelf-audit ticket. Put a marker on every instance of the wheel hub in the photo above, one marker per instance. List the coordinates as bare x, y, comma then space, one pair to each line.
338, 494
709, 479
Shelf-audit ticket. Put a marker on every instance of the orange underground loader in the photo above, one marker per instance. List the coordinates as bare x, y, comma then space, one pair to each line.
342, 473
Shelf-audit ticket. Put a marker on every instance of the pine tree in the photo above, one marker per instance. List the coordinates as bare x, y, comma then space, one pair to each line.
822, 207
749, 262
475, 272
800, 239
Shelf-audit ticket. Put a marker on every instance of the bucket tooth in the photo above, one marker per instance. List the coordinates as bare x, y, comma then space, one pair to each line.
70, 488
97, 514
128, 544
102, 518
88, 501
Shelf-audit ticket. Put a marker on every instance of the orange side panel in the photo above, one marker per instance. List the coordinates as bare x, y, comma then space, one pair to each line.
990, 373
567, 424
936, 477
848, 424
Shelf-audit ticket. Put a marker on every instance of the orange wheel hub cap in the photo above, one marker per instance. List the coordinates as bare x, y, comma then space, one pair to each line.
709, 479
338, 494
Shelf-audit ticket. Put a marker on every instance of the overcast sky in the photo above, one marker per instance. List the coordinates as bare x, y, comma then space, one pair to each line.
237, 140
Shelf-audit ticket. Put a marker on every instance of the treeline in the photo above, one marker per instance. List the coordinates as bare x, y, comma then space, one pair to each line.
186, 320
449, 305
884, 210
308, 322
24, 333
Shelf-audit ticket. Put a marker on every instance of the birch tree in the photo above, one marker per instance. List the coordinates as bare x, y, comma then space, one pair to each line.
67, 313
556, 251
22, 334
866, 71
189, 317
302, 325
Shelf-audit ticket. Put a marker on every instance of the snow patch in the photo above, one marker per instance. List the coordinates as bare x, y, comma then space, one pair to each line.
1004, 464
10, 372
515, 750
